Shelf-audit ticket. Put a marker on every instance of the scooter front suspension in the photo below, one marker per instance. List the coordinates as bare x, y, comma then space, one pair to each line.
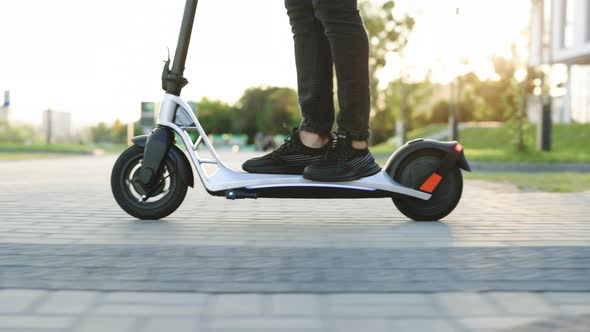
158, 143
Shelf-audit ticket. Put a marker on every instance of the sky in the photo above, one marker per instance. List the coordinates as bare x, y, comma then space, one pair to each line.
100, 59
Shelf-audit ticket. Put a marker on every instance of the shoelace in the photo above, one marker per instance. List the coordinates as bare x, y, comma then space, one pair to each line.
286, 146
340, 149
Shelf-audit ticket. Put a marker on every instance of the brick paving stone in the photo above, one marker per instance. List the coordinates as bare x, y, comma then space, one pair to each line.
370, 298
110, 324
266, 323
559, 324
153, 298
496, 323
383, 310
430, 325
356, 325
563, 298
461, 304
171, 324
147, 310
523, 304
14, 301
575, 309
237, 304
295, 304
67, 302
35, 322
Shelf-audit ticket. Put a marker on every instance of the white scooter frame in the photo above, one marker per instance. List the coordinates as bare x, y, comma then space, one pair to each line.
178, 116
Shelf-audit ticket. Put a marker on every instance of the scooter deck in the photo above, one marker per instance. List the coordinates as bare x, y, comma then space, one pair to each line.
247, 185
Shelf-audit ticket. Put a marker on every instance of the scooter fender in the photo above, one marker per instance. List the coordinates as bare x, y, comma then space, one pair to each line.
419, 144
183, 165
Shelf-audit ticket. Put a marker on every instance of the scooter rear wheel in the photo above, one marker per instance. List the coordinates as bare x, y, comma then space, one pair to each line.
153, 203
412, 172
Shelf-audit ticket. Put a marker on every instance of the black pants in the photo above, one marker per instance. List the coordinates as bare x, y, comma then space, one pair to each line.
328, 34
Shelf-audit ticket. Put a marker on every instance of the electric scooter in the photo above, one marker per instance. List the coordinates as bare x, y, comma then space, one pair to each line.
150, 179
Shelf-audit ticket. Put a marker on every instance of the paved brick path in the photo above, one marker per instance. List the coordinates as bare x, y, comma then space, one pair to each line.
318, 270
39, 310
67, 253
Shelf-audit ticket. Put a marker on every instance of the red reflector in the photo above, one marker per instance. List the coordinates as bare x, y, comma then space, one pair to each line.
431, 183
458, 148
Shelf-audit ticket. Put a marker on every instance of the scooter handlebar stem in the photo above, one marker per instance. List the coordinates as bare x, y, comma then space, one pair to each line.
172, 79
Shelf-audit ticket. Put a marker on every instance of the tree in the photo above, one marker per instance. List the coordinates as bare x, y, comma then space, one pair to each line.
280, 113
18, 134
269, 110
498, 102
386, 34
101, 133
217, 117
502, 99
119, 133
440, 111
416, 108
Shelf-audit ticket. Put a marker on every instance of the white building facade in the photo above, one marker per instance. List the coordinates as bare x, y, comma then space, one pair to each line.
57, 126
560, 34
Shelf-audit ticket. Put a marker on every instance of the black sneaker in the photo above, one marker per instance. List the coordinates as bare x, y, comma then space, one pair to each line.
290, 158
343, 163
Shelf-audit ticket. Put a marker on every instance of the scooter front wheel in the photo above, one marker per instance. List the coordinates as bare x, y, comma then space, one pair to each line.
157, 202
412, 172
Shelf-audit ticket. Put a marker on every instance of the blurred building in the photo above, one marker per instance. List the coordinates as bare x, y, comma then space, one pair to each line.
560, 34
56, 126
5, 116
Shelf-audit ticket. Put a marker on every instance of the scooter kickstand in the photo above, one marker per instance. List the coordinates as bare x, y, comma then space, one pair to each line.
234, 194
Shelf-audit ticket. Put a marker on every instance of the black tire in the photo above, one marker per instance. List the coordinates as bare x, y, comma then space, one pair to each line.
170, 188
412, 172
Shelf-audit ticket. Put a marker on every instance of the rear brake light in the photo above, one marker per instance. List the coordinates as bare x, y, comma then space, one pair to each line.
458, 148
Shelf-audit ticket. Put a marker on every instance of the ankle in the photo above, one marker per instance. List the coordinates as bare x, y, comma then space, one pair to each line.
360, 145
313, 140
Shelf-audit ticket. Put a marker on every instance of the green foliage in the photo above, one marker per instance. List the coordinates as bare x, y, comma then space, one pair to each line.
270, 110
102, 133
440, 112
18, 134
502, 99
498, 99
119, 132
280, 113
14, 151
497, 144
416, 109
29, 155
388, 147
217, 116
550, 182
44, 148
416, 96
387, 34
569, 144
107, 134
382, 126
